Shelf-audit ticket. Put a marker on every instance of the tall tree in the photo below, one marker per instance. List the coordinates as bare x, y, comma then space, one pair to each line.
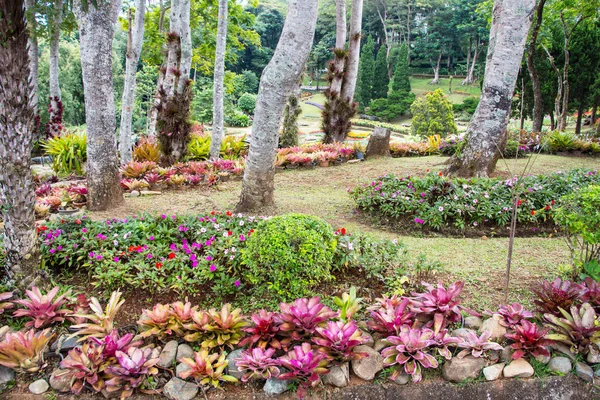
16, 143
135, 36
218, 91
96, 32
277, 83
351, 70
54, 25
185, 35
401, 81
381, 79
538, 100
486, 134
365, 85
33, 51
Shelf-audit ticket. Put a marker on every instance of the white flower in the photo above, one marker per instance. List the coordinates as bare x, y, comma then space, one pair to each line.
441, 208
116, 243
203, 230
350, 246
241, 223
233, 250
226, 234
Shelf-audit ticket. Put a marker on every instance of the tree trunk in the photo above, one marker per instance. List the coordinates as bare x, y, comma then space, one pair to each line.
340, 24
56, 21
277, 83
135, 38
340, 55
436, 70
17, 120
351, 71
538, 100
466, 80
580, 111
96, 32
471, 75
552, 124
566, 88
559, 89
186, 44
153, 111
486, 134
33, 53
173, 49
218, 91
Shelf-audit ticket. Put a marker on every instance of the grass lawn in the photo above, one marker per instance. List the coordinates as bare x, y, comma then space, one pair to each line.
323, 192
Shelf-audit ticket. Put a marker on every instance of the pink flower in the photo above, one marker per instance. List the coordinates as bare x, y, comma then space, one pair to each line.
213, 268
237, 283
242, 238
151, 238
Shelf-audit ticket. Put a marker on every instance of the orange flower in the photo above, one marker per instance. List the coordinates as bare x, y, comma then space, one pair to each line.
532, 212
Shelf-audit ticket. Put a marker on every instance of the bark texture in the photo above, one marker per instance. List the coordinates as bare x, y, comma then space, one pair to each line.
17, 118
173, 50
278, 81
96, 31
135, 38
486, 134
436, 70
54, 84
538, 100
218, 90
349, 86
33, 53
185, 35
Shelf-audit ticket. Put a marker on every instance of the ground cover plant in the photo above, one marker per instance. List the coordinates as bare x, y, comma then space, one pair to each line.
436, 201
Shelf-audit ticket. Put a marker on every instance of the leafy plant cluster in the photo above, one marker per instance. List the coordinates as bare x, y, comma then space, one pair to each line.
69, 153
378, 124
433, 115
513, 148
49, 199
435, 201
312, 155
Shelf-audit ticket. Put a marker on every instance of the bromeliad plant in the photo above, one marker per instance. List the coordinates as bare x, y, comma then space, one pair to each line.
299, 319
85, 366
207, 369
166, 321
590, 293
217, 329
24, 350
390, 314
305, 366
349, 304
439, 301
338, 340
512, 314
43, 309
476, 345
112, 343
5, 305
264, 332
133, 368
258, 363
579, 329
528, 338
101, 321
556, 295
410, 351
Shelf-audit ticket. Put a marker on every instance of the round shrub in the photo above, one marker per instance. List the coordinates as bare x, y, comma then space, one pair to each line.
289, 254
238, 119
247, 103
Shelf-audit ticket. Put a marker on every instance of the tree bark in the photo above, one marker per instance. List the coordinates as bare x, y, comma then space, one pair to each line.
351, 71
340, 24
566, 87
135, 38
17, 120
153, 112
471, 73
538, 100
580, 111
340, 55
33, 53
277, 83
186, 44
218, 90
173, 48
559, 89
96, 32
54, 84
486, 134
466, 80
436, 70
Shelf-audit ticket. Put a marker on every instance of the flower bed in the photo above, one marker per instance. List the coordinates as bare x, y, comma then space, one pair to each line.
304, 341
313, 155
436, 202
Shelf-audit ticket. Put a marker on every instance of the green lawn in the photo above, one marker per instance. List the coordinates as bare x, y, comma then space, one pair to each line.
420, 86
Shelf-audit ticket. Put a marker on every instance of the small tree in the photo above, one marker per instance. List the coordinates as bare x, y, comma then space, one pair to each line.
381, 79
365, 84
401, 82
247, 103
289, 134
433, 115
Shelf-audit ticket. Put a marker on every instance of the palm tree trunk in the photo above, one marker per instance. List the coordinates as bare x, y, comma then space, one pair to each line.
33, 52
486, 134
96, 32
173, 49
218, 91
277, 83
538, 101
135, 38
351, 72
17, 118
55, 96
185, 64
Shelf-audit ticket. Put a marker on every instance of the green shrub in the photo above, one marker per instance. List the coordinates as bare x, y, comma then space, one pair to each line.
468, 106
69, 153
579, 214
237, 118
433, 115
397, 104
289, 254
199, 148
374, 124
232, 147
559, 141
247, 103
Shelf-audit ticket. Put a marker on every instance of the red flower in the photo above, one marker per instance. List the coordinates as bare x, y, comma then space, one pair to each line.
229, 213
158, 265
548, 208
552, 202
42, 228
519, 203
212, 213
440, 173
171, 255
229, 233
250, 232
532, 212
427, 170
77, 221
343, 231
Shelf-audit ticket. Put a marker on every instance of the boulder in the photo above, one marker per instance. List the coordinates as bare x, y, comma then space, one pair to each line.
38, 387
60, 381
519, 368
584, 371
64, 343
543, 359
338, 376
402, 379
231, 365
367, 367
563, 349
370, 341
460, 369
462, 332
473, 322
168, 354
493, 372
379, 143
493, 326
560, 364
184, 351
6, 375
181, 368
274, 387
177, 389
506, 355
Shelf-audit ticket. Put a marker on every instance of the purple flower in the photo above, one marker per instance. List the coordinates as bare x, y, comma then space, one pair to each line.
52, 251
75, 245
237, 283
84, 230
163, 216
242, 238
101, 236
149, 256
173, 247
99, 257
209, 258
419, 221
151, 238
213, 268
116, 259
91, 254
183, 228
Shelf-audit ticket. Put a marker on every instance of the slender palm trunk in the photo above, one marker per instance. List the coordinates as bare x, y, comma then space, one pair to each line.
339, 60
33, 52
185, 34
96, 32
135, 38
466, 80
54, 84
17, 116
349, 86
538, 100
277, 83
173, 50
218, 91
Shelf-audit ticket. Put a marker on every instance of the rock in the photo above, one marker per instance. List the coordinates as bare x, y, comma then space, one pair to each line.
379, 143
60, 381
494, 355
338, 376
402, 379
492, 325
155, 351
519, 368
6, 375
462, 332
274, 387
181, 368
167, 356
542, 359
231, 365
506, 355
177, 389
150, 193
354, 161
111, 395
184, 351
380, 344
563, 349
460, 369
493, 372
473, 322
38, 387
370, 341
133, 193
65, 343
593, 356
560, 364
584, 371
367, 367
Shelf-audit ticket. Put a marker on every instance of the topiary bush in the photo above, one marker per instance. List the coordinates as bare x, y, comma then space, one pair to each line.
289, 254
433, 115
247, 103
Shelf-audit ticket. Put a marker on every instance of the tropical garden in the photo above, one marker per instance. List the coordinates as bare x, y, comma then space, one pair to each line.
303, 199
